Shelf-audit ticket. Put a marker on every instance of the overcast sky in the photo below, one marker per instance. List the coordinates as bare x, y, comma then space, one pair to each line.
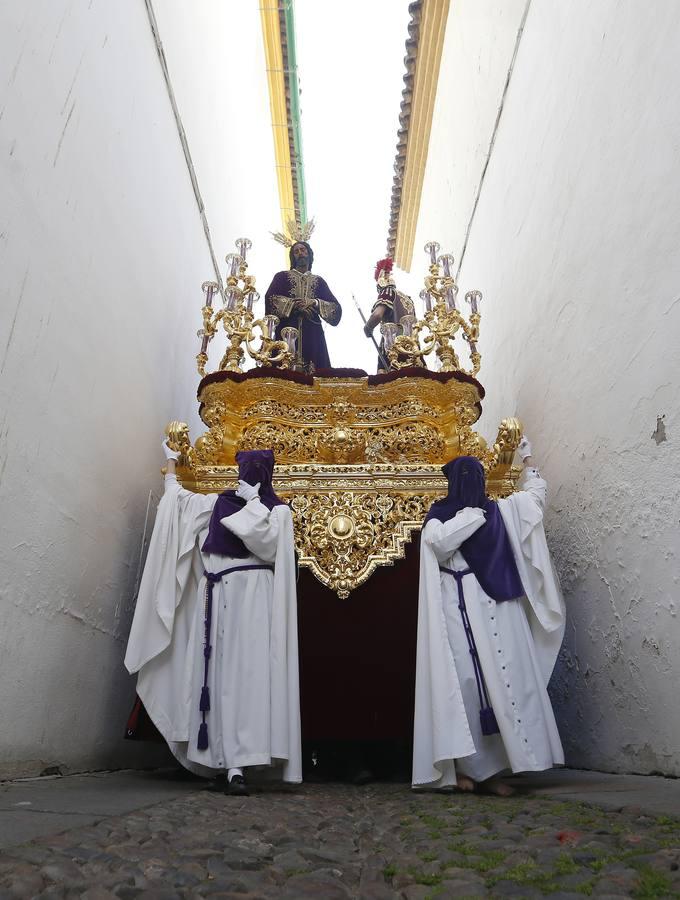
350, 67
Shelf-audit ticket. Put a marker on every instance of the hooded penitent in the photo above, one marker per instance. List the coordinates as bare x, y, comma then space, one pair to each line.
487, 552
253, 466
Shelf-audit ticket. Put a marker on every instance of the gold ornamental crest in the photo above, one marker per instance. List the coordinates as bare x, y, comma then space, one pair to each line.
358, 458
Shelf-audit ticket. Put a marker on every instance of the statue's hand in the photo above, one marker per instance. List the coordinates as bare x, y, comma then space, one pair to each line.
305, 306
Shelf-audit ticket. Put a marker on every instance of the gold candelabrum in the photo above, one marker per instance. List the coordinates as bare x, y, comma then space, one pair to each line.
410, 341
239, 322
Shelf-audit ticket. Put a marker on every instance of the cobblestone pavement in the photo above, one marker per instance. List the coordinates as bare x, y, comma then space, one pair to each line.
336, 841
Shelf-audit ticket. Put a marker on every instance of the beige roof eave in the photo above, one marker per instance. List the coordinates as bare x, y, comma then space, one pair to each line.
423, 58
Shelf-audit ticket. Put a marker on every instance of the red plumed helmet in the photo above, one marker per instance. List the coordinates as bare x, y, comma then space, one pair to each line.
383, 265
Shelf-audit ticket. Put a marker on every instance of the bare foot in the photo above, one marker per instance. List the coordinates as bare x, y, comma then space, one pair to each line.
498, 788
465, 784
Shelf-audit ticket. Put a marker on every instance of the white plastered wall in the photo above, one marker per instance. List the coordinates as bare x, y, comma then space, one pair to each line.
102, 253
574, 243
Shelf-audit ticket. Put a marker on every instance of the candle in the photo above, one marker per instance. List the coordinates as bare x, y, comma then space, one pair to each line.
269, 324
208, 288
407, 323
234, 261
474, 298
432, 247
389, 333
451, 294
446, 261
243, 244
290, 336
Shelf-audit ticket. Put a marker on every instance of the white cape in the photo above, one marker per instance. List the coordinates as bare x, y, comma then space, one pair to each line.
443, 731
162, 644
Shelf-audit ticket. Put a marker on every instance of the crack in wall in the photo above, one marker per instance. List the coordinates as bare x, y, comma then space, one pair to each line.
14, 321
184, 142
63, 134
492, 142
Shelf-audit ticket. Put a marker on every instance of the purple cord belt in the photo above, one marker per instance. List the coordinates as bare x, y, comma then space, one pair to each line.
211, 579
486, 714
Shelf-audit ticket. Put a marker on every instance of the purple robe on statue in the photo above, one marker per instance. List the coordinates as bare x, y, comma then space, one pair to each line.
285, 289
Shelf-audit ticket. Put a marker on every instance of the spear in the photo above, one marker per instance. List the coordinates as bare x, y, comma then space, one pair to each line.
385, 365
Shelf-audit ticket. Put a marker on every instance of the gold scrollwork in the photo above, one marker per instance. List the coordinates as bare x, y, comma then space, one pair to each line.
343, 536
177, 434
340, 444
406, 442
360, 464
267, 408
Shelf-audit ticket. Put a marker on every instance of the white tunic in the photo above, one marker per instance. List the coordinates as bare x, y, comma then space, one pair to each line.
254, 717
517, 643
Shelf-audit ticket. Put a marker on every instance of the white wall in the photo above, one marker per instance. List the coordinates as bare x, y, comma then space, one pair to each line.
479, 44
575, 246
216, 59
102, 254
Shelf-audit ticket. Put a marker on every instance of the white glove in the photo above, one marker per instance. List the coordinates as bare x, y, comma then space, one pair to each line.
524, 448
169, 454
247, 491
473, 509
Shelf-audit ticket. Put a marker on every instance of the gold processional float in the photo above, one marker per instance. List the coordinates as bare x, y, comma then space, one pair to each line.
357, 457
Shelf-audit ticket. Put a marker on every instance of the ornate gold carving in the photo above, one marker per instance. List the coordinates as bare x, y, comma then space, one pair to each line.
406, 441
286, 443
340, 444
239, 322
359, 464
442, 321
507, 441
342, 536
342, 527
339, 420
178, 440
270, 409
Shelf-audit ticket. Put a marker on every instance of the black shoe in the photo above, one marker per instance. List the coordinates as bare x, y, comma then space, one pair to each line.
237, 787
217, 785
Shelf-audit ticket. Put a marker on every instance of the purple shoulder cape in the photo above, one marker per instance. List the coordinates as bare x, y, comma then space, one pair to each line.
488, 551
253, 466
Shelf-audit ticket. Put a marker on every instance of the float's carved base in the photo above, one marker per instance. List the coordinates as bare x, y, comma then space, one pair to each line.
350, 519
358, 457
